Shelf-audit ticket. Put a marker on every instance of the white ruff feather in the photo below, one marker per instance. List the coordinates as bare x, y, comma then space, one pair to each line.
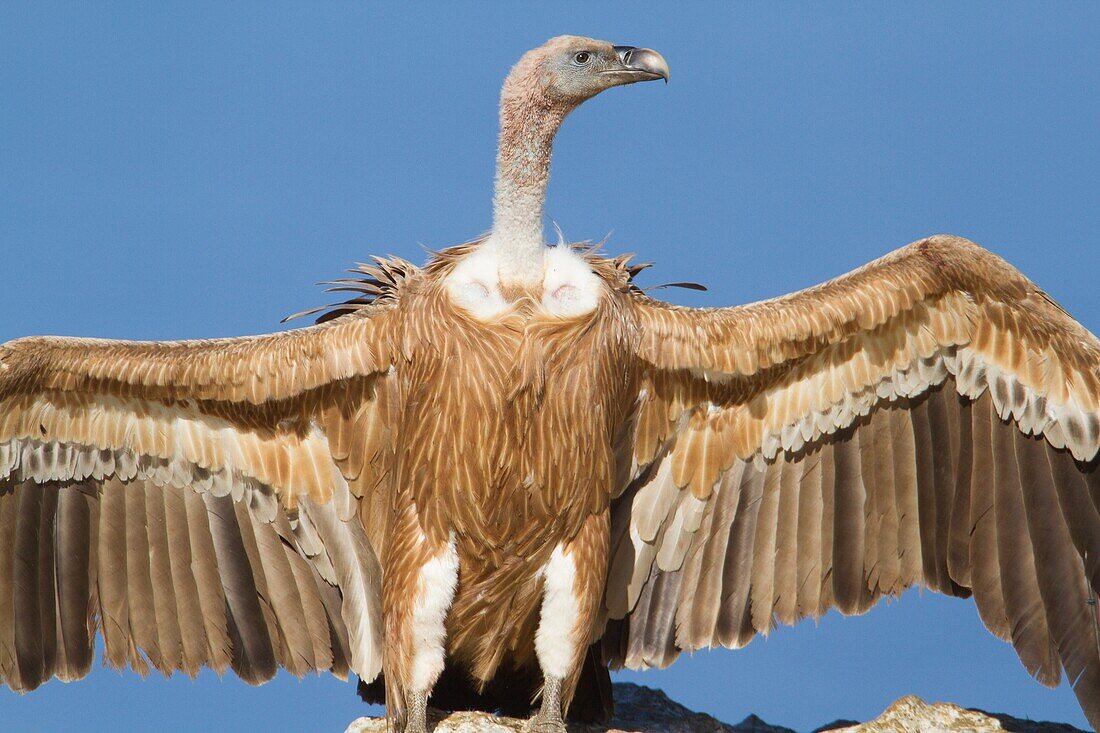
569, 288
474, 284
555, 642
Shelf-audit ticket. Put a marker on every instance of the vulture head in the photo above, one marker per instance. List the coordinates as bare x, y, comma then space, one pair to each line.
543, 87
567, 70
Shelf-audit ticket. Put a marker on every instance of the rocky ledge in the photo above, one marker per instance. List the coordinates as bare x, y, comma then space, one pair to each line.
642, 710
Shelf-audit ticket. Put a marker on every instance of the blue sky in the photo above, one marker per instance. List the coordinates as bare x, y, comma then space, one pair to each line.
172, 171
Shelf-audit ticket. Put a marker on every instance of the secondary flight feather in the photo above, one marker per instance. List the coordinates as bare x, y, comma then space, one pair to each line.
482, 481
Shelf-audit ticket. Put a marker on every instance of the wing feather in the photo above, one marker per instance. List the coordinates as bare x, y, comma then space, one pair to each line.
247, 613
1065, 592
711, 596
9, 670
697, 594
295, 644
181, 561
160, 571
941, 452
808, 576
113, 599
903, 473
762, 560
888, 551
30, 637
872, 524
849, 496
158, 488
1022, 600
828, 524
139, 584
985, 569
960, 530
313, 610
787, 545
931, 419
207, 574
737, 571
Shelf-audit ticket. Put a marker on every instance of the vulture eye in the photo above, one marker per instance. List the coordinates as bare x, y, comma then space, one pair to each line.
582, 58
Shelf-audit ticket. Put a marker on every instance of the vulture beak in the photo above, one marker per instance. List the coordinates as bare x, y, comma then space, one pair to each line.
641, 64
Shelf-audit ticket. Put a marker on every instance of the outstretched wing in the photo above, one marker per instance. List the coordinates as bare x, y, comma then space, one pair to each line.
200, 501
931, 418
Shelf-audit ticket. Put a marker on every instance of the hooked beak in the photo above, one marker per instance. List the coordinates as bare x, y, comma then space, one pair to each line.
640, 64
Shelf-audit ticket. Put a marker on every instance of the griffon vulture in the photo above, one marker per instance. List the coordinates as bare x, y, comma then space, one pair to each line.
491, 463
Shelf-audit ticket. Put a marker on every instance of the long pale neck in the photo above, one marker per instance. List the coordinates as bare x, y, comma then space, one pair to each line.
528, 124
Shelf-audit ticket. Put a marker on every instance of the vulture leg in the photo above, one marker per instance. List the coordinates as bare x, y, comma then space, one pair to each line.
415, 621
573, 584
417, 719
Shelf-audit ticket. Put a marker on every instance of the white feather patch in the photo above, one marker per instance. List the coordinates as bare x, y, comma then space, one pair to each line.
474, 284
556, 638
435, 591
569, 287
1064, 424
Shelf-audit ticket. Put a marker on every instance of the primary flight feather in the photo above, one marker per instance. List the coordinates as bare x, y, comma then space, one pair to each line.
486, 479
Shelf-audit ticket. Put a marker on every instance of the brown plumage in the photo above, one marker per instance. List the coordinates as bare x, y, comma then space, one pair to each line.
476, 468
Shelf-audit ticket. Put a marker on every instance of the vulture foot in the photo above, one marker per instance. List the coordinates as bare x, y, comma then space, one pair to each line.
541, 724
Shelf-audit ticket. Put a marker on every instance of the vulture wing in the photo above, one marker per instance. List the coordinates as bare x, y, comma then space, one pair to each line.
931, 418
197, 501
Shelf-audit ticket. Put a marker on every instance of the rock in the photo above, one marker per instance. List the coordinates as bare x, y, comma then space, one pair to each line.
643, 710
910, 714
453, 723
637, 710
